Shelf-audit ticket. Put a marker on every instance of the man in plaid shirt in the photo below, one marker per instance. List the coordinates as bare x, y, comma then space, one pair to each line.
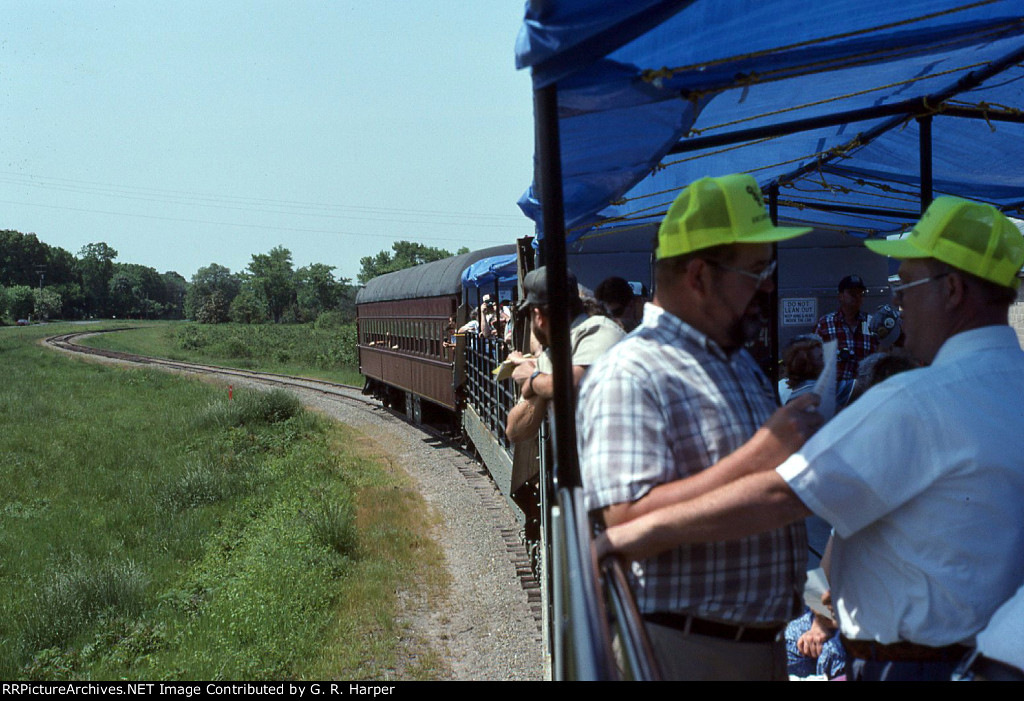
848, 326
679, 407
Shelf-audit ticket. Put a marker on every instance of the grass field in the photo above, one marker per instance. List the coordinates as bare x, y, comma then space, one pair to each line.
154, 530
293, 349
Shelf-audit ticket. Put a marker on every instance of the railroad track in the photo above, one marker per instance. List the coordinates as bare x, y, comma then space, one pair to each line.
477, 478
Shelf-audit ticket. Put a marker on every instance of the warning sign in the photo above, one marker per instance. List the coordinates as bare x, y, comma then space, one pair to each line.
799, 311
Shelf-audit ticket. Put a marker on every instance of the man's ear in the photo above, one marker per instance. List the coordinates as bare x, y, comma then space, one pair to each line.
697, 277
955, 288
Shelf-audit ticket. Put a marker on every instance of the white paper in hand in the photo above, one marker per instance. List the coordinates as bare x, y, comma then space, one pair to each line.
825, 387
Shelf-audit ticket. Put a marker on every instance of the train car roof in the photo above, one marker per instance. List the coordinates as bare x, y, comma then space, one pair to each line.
441, 277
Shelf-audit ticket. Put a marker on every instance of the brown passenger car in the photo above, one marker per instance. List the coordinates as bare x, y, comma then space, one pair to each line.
403, 320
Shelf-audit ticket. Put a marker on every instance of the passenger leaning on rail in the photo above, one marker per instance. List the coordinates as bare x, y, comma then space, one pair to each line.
678, 408
922, 478
590, 336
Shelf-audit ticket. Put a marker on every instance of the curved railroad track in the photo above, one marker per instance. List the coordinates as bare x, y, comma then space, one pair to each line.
430, 457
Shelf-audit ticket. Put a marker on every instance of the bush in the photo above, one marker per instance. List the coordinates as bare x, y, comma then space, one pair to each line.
252, 408
333, 525
332, 319
76, 593
201, 484
247, 308
232, 348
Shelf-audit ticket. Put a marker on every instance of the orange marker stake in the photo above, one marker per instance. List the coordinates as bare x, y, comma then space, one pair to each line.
230, 390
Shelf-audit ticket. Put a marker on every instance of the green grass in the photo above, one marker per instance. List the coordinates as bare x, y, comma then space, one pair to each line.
151, 529
291, 349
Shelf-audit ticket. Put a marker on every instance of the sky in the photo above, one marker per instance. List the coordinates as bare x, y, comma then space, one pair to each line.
187, 133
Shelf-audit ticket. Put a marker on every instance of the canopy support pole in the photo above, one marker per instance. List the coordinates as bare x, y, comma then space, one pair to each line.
773, 311
924, 126
549, 153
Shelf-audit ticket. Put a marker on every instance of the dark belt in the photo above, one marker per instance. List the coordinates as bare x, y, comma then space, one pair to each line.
714, 629
902, 651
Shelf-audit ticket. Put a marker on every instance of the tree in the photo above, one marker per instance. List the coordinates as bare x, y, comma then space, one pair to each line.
247, 308
24, 259
135, 291
20, 301
47, 303
317, 290
273, 280
213, 280
173, 297
406, 255
96, 267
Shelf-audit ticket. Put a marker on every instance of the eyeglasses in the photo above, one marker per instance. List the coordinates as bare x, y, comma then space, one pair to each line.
758, 277
898, 289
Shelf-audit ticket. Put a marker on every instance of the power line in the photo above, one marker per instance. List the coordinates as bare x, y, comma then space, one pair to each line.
226, 201
418, 237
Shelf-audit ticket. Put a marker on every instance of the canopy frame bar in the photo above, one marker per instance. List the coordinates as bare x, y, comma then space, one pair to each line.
916, 107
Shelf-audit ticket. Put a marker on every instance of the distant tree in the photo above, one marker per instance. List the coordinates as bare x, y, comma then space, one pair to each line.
405, 254
317, 290
22, 256
47, 303
212, 309
21, 300
173, 297
96, 267
273, 280
248, 308
347, 300
210, 282
25, 260
72, 300
135, 291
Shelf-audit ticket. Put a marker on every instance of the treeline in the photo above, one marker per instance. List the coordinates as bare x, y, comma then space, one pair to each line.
40, 282
269, 289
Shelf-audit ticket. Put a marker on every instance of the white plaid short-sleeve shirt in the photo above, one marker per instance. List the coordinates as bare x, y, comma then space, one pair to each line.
666, 403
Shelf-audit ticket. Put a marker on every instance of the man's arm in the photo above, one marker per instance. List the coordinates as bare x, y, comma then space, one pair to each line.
782, 434
753, 504
525, 418
543, 385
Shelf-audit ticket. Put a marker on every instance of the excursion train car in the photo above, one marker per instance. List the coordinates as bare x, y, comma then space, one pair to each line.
403, 321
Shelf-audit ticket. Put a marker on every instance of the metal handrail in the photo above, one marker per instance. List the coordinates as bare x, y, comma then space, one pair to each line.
583, 649
636, 645
589, 601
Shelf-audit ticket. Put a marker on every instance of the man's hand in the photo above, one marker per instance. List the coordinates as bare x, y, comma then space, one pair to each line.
524, 368
791, 425
810, 643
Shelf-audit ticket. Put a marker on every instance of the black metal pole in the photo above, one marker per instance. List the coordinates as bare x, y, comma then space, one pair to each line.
924, 126
549, 171
773, 317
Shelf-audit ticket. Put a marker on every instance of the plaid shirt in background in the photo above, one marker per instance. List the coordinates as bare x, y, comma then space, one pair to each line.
665, 403
861, 341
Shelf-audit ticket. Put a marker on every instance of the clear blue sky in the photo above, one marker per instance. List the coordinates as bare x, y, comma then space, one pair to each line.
184, 133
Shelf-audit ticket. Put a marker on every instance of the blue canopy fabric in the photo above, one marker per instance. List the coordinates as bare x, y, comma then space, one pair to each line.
483, 273
644, 87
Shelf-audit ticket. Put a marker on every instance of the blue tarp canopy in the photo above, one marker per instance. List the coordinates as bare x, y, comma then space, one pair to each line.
484, 272
818, 99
